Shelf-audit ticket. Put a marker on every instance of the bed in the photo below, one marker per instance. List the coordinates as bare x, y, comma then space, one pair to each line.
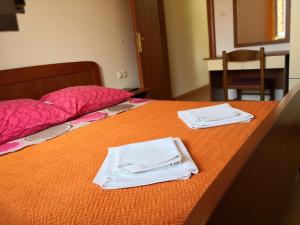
246, 174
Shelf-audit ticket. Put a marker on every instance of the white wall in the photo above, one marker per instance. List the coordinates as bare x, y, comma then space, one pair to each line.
295, 44
225, 29
187, 32
73, 30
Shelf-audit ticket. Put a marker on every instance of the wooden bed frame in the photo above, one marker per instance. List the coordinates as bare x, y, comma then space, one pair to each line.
35, 81
255, 185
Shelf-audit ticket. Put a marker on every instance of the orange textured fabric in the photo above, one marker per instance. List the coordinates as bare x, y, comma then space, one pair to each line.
51, 183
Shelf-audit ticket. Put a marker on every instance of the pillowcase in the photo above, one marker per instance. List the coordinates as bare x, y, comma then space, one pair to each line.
80, 100
23, 117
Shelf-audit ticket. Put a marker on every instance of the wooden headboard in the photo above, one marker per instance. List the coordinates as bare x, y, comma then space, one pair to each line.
35, 81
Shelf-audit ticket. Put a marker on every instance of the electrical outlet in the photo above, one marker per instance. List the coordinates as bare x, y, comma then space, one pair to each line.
125, 74
120, 75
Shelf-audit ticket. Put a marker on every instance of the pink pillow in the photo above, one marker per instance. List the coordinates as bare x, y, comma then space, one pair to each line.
80, 100
22, 117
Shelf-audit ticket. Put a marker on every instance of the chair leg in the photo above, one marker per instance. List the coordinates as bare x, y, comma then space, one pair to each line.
262, 95
272, 94
225, 94
239, 94
272, 90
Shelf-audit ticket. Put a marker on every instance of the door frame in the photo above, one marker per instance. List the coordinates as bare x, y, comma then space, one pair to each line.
135, 28
211, 28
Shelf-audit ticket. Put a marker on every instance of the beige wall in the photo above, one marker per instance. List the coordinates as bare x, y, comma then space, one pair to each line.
295, 44
188, 44
74, 30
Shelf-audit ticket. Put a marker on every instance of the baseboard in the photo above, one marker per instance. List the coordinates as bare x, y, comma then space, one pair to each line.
191, 93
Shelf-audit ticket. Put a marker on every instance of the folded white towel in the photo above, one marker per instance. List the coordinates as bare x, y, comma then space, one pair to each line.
213, 113
148, 155
212, 116
108, 179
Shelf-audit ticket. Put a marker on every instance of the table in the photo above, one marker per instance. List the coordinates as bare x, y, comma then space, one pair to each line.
277, 66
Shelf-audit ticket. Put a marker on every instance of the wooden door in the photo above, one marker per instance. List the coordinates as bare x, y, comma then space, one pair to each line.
151, 44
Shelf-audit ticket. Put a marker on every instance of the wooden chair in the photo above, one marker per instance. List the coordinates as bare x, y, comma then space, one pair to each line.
253, 83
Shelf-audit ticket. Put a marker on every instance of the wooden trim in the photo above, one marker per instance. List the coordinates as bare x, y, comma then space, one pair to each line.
235, 32
262, 43
284, 117
135, 30
165, 50
191, 93
286, 74
288, 19
274, 21
211, 28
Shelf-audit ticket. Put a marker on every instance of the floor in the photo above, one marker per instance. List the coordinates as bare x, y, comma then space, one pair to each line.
202, 94
293, 214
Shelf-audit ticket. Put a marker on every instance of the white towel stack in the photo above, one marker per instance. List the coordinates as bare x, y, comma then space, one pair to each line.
145, 163
213, 116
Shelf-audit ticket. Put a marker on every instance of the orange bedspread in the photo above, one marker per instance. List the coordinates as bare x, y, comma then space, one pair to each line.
51, 183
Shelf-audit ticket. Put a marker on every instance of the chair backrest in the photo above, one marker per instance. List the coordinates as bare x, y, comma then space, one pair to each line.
243, 56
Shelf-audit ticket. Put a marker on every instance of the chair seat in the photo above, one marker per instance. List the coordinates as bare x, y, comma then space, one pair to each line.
243, 86
250, 83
